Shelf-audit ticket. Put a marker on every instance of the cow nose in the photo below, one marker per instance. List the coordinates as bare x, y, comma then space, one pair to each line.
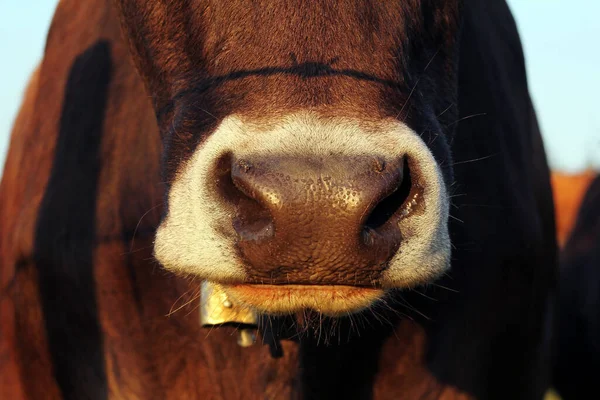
317, 220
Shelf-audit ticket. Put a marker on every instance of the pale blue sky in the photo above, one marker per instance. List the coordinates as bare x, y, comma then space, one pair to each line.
560, 38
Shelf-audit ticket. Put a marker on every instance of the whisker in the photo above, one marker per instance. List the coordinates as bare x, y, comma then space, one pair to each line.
456, 219
395, 311
417, 82
424, 295
431, 60
447, 108
139, 222
409, 96
467, 117
136, 250
473, 160
405, 303
194, 298
444, 287
195, 308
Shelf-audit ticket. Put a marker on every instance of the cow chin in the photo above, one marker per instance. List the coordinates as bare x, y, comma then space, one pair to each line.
332, 233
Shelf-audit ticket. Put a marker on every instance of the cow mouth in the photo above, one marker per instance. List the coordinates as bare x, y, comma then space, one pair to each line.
329, 300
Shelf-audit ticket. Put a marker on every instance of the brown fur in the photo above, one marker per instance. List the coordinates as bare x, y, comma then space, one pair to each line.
149, 354
368, 37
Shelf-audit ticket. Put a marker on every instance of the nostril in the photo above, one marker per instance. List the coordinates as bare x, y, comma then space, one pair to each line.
393, 204
252, 220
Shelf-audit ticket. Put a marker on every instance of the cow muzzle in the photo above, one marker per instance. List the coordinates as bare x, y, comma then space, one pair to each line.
308, 212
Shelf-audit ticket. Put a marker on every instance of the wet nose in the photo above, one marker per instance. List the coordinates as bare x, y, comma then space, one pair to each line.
317, 220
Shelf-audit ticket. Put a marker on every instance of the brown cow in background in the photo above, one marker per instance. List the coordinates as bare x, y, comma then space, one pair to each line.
577, 361
568, 190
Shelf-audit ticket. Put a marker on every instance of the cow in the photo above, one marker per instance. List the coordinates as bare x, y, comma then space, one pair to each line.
577, 361
367, 179
568, 190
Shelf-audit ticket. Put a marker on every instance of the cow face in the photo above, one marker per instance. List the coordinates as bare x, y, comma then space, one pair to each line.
306, 150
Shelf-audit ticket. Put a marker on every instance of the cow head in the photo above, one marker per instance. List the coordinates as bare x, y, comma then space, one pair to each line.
305, 144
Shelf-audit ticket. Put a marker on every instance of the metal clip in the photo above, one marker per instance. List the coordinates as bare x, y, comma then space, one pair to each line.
216, 309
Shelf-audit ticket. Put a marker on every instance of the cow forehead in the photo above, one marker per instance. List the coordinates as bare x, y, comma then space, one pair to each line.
176, 42
203, 61
351, 34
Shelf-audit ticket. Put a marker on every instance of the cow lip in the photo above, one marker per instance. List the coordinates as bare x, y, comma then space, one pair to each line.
330, 300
